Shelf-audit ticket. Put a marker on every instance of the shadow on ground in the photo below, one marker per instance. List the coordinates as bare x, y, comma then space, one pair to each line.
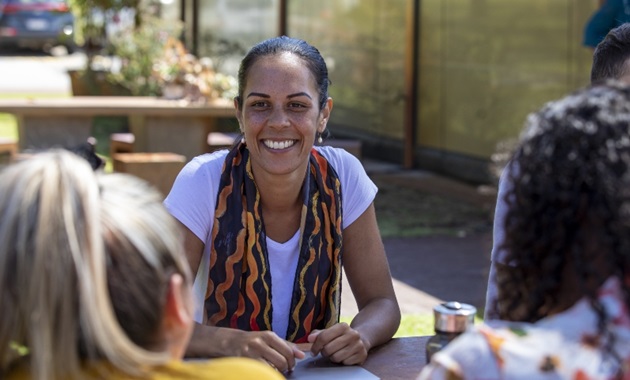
438, 236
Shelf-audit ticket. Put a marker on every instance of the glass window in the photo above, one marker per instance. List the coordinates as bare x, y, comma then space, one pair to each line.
228, 28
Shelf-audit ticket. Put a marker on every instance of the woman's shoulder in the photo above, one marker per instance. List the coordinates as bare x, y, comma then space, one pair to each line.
332, 153
487, 350
340, 159
202, 168
206, 369
220, 368
208, 160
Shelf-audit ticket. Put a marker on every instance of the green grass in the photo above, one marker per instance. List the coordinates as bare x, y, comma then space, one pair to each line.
410, 325
413, 324
8, 123
8, 126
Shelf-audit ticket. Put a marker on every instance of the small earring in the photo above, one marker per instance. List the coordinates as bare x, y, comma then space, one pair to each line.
243, 139
320, 139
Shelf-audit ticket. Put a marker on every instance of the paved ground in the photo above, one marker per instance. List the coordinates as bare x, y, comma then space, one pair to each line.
446, 259
30, 72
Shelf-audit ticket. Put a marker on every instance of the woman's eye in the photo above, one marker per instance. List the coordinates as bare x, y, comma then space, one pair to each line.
296, 105
259, 104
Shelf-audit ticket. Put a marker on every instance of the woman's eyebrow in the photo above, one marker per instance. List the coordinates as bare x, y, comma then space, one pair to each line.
299, 94
258, 94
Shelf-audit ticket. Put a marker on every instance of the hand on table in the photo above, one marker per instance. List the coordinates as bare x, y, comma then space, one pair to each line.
340, 343
266, 346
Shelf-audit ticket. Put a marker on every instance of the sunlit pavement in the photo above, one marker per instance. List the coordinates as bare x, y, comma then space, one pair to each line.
427, 270
33, 73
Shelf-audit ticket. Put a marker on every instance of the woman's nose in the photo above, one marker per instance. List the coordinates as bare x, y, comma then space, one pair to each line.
278, 118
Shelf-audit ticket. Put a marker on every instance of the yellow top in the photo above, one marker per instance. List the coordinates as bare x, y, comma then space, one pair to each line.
219, 369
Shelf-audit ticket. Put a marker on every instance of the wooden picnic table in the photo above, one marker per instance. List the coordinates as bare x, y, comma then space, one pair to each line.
159, 125
398, 359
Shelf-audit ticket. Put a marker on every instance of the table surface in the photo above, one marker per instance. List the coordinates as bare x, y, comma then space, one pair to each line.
400, 358
116, 105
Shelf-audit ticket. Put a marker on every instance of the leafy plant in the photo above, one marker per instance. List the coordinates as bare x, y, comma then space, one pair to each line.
90, 22
138, 51
146, 58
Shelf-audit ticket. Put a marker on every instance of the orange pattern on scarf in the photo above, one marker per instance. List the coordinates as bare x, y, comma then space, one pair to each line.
239, 285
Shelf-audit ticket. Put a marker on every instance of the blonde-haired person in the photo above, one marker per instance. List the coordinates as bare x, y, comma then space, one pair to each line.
93, 283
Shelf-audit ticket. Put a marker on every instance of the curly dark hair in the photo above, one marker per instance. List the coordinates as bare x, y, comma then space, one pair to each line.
568, 220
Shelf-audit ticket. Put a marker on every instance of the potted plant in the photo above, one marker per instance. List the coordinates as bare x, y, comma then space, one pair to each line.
92, 18
136, 54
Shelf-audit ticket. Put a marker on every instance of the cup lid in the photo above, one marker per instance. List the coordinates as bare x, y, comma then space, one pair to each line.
453, 316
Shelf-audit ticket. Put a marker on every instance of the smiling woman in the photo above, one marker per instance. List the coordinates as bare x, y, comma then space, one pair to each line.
270, 223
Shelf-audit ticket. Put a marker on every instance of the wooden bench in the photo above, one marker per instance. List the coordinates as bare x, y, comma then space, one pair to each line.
121, 143
158, 125
124, 142
159, 169
221, 140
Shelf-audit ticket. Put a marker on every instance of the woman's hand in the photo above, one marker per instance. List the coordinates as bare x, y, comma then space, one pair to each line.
340, 343
265, 346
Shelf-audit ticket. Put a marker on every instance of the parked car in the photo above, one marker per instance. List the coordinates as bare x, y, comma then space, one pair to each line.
36, 24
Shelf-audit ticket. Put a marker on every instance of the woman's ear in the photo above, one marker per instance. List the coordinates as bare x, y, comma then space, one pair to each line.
324, 115
177, 300
238, 114
178, 321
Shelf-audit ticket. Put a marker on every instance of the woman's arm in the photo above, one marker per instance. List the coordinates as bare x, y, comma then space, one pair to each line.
193, 247
366, 266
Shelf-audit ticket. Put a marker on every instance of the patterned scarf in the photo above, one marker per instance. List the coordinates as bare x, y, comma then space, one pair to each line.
239, 285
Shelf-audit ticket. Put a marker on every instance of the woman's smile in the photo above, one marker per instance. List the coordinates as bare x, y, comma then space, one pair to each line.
279, 144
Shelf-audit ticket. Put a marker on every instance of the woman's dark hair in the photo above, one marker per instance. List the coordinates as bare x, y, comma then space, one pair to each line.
273, 46
568, 209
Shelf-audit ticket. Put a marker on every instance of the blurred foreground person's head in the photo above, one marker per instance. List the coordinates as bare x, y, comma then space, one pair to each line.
91, 271
568, 224
611, 58
564, 287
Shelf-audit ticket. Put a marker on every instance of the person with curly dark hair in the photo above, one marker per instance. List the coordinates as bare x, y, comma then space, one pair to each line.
564, 307
611, 60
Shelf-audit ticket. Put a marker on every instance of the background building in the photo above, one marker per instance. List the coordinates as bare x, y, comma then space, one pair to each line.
434, 84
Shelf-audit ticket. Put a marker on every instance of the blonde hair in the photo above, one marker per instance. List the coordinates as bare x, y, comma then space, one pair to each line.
53, 288
143, 251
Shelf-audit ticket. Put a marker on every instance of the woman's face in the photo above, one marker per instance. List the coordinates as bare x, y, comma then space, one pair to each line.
281, 115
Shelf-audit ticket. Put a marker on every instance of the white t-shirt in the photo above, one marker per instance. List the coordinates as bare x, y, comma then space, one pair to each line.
192, 201
498, 254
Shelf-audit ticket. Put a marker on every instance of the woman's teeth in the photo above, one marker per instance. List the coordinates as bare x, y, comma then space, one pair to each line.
278, 144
